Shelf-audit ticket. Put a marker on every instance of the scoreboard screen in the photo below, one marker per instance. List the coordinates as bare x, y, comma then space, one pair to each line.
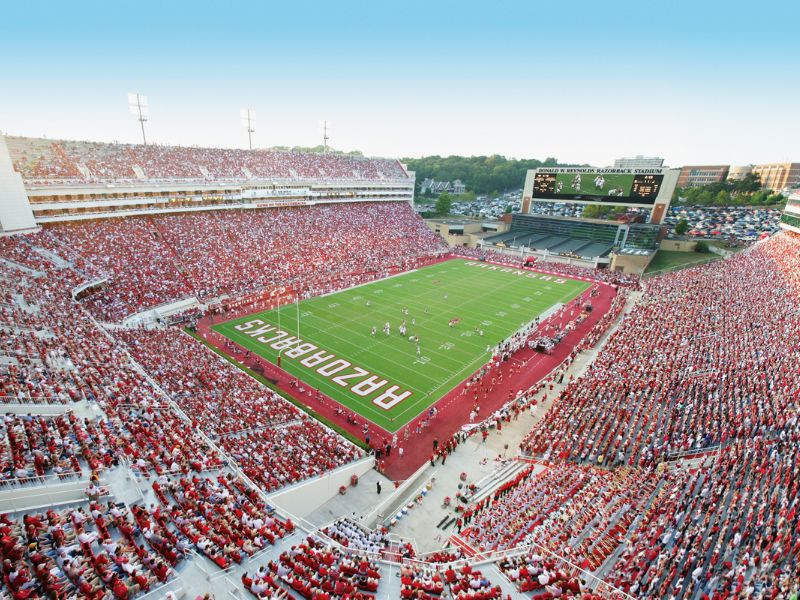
610, 188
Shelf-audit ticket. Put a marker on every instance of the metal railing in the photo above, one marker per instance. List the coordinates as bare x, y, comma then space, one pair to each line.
693, 452
27, 399
40, 480
49, 496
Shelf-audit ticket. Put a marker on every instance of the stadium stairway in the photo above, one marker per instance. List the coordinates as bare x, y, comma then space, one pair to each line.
495, 479
52, 257
15, 265
178, 261
493, 574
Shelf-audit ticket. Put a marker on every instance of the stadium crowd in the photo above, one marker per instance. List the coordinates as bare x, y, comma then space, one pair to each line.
728, 530
272, 441
100, 552
575, 511
222, 518
613, 277
351, 535
68, 358
314, 570
310, 249
543, 577
35, 446
277, 456
706, 366
43, 161
708, 355
420, 582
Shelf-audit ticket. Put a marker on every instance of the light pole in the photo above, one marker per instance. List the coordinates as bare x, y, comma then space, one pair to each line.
248, 117
137, 104
325, 137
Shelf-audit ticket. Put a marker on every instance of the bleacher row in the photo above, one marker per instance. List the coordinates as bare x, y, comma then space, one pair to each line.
312, 249
61, 161
556, 244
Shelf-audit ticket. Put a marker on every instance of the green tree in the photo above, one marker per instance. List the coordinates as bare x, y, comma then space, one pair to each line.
775, 199
692, 195
591, 211
742, 192
509, 208
749, 183
702, 247
481, 174
598, 211
681, 227
705, 198
443, 204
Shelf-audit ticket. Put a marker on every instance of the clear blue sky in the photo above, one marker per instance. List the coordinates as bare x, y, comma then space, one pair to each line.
695, 82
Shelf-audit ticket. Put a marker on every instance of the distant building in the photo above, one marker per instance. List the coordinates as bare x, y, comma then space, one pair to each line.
639, 162
699, 175
778, 176
740, 172
439, 187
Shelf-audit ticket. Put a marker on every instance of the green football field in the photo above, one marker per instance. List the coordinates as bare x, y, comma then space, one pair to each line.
390, 379
613, 181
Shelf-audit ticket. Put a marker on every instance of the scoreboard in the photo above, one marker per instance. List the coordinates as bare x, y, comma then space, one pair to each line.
646, 187
544, 184
608, 186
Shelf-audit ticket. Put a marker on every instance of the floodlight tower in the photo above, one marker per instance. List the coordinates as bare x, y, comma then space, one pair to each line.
248, 117
139, 109
325, 136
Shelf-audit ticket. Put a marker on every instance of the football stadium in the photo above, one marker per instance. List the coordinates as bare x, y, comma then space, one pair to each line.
278, 372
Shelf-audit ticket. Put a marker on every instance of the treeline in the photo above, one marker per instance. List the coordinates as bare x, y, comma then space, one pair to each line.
490, 175
744, 192
318, 149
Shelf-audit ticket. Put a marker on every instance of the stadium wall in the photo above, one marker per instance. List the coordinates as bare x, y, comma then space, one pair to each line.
15, 210
301, 499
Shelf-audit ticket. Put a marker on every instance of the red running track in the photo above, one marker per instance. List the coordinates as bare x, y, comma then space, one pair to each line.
453, 409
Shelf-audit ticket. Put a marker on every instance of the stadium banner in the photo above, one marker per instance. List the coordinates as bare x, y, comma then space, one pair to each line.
266, 192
